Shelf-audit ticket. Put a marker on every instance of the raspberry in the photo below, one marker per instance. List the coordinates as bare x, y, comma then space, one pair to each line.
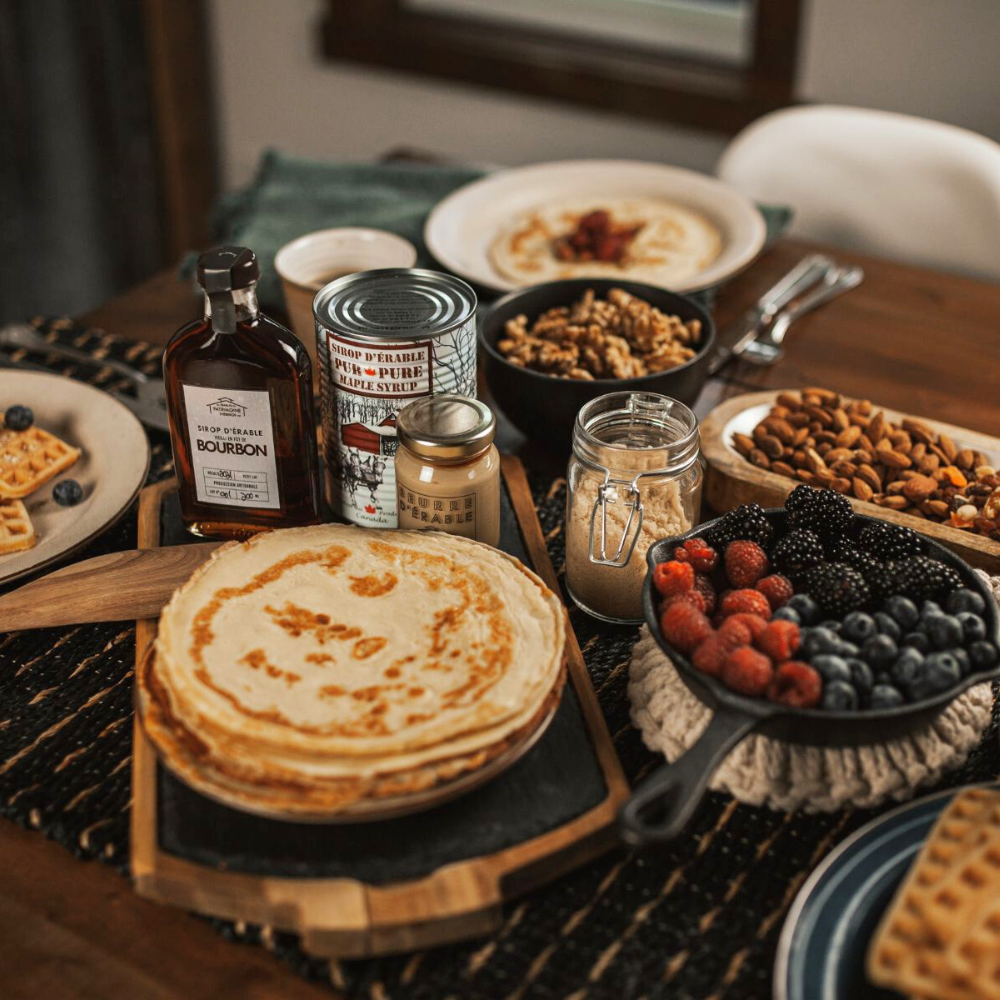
699, 553
779, 640
776, 588
746, 563
735, 633
694, 597
710, 656
755, 623
747, 672
796, 685
745, 600
703, 586
684, 626
673, 577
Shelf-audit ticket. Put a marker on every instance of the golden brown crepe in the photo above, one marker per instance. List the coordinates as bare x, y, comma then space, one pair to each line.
329, 664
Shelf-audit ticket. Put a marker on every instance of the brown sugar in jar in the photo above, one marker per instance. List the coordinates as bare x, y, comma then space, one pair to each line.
447, 467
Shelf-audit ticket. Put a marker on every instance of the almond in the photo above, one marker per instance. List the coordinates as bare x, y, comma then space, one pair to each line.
868, 475
840, 420
789, 399
965, 459
782, 430
901, 441
820, 415
798, 419
827, 396
895, 460
800, 435
929, 463
814, 461
936, 508
949, 448
876, 427
783, 468
760, 459
919, 488
771, 446
840, 484
841, 468
898, 502
848, 437
861, 489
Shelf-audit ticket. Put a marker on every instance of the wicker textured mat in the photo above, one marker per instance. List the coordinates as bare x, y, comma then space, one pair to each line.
697, 919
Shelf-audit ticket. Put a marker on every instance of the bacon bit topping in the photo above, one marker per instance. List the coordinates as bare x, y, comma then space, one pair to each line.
596, 237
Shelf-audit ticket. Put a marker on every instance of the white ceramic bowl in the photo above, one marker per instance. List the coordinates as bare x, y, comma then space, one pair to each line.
462, 227
308, 263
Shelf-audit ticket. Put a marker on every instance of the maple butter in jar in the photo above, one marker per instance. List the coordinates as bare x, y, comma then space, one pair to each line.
447, 467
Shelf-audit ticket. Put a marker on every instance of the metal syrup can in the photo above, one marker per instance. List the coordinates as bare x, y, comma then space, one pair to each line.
383, 339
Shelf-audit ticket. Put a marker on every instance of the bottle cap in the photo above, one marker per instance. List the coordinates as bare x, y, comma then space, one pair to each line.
227, 268
446, 427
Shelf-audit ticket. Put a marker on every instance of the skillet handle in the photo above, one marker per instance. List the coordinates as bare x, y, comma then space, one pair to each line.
661, 806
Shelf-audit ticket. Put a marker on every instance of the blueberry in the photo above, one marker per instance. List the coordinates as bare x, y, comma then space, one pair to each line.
839, 696
847, 649
917, 640
887, 625
879, 650
982, 655
973, 627
805, 607
858, 626
67, 493
832, 669
886, 696
787, 614
832, 624
908, 669
18, 418
861, 677
965, 600
903, 610
928, 609
941, 671
964, 663
945, 631
817, 640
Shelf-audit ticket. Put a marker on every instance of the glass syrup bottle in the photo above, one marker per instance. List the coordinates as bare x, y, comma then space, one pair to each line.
239, 396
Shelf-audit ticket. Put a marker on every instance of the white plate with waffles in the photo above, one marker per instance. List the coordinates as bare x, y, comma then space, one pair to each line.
80, 433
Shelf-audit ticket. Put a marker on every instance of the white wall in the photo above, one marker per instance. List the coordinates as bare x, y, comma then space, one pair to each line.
274, 89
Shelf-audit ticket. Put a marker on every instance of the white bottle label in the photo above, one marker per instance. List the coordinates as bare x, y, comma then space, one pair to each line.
232, 446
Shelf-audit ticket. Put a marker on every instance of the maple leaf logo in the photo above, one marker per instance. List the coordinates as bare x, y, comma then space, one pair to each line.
369, 508
369, 371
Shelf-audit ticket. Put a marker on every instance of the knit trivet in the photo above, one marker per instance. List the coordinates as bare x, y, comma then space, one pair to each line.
765, 771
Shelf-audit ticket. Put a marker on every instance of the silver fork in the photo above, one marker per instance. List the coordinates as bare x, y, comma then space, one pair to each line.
149, 403
767, 348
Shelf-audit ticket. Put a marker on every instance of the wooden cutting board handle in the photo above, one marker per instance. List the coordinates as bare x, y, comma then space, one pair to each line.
119, 586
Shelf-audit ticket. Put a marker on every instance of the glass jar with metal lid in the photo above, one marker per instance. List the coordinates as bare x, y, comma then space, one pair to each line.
634, 478
447, 467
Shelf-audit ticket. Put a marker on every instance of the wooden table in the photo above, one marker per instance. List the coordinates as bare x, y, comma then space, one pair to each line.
916, 340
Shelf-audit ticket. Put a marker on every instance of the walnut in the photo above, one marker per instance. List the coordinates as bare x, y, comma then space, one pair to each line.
619, 337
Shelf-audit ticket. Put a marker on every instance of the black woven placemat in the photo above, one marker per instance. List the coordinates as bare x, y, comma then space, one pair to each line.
697, 919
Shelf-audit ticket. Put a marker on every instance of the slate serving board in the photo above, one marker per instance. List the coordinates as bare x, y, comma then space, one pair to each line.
377, 887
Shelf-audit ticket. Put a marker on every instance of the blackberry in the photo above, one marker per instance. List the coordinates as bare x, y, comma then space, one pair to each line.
889, 542
796, 552
748, 522
878, 578
837, 588
824, 512
922, 579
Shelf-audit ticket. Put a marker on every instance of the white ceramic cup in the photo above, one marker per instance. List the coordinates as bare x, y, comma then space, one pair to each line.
308, 263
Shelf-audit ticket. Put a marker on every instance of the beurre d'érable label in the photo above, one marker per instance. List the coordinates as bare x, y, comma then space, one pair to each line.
231, 439
455, 514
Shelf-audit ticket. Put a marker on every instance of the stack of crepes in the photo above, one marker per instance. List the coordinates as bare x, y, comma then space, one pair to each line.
316, 671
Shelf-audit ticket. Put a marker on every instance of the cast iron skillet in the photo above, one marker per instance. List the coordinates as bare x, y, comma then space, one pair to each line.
662, 806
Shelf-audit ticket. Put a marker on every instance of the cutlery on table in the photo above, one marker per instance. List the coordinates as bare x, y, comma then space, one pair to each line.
118, 586
149, 402
810, 270
766, 349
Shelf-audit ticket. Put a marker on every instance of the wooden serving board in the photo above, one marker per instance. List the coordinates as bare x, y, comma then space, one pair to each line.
731, 480
398, 884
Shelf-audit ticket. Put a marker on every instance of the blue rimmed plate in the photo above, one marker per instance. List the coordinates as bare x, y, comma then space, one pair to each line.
822, 949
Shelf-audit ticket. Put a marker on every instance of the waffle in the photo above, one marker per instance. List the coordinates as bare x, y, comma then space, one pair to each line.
940, 938
30, 458
16, 530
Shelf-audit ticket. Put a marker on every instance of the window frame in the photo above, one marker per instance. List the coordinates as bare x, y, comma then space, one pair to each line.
679, 89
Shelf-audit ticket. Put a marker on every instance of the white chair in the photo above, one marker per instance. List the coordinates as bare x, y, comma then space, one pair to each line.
887, 184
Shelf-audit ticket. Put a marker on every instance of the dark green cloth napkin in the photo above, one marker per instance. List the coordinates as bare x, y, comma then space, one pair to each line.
291, 196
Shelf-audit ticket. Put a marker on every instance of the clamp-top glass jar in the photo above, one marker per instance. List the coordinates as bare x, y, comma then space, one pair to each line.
634, 478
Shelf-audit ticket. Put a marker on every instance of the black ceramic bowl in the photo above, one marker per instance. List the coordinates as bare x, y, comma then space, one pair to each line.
661, 807
544, 407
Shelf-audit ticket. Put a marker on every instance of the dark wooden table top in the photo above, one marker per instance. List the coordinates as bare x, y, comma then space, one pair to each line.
915, 340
